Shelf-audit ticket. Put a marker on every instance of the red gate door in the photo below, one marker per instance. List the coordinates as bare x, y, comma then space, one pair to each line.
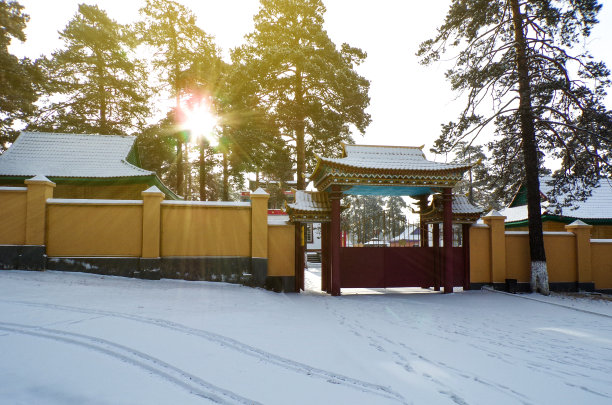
409, 267
386, 267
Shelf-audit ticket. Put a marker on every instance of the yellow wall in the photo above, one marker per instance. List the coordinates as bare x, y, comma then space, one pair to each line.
13, 211
518, 263
281, 250
561, 257
94, 230
601, 264
115, 192
199, 230
480, 254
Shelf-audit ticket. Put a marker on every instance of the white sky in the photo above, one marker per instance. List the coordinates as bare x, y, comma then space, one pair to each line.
409, 102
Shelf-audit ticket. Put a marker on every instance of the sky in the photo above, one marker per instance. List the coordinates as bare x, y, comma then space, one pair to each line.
409, 102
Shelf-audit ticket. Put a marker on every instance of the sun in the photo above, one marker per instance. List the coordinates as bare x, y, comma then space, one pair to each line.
201, 122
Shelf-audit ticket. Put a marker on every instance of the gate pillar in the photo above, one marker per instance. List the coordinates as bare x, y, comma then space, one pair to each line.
447, 234
325, 258
335, 197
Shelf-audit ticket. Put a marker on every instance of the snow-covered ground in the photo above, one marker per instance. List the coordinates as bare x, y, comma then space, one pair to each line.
70, 338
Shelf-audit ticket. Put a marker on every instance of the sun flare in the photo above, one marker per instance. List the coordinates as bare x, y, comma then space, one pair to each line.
201, 122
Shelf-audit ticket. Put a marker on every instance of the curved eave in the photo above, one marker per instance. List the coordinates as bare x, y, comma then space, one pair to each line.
388, 180
322, 162
315, 172
296, 215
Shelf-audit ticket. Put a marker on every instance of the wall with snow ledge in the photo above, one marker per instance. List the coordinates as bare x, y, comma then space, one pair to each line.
575, 262
148, 238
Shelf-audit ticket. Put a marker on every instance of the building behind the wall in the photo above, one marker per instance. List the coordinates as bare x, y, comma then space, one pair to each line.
596, 210
81, 165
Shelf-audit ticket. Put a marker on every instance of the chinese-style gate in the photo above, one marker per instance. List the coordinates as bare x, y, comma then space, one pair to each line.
390, 171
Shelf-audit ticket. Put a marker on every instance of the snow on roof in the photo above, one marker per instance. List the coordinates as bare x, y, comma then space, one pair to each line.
515, 214
310, 201
461, 205
70, 155
390, 158
597, 206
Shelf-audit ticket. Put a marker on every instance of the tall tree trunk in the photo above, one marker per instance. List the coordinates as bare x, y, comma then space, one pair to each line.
179, 165
539, 272
225, 196
189, 177
179, 138
103, 124
299, 131
203, 171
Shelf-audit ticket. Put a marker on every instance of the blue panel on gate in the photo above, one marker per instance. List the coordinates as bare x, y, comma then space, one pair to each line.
388, 190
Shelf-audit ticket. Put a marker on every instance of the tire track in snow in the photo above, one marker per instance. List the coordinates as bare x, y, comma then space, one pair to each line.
384, 344
226, 342
167, 372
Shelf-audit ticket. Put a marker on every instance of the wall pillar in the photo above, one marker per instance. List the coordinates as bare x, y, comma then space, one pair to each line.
584, 276
150, 262
335, 196
259, 236
39, 190
447, 234
497, 234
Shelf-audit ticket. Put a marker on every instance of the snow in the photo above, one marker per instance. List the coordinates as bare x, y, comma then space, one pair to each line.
597, 206
278, 220
461, 205
70, 155
314, 201
208, 203
4, 188
389, 158
72, 338
80, 201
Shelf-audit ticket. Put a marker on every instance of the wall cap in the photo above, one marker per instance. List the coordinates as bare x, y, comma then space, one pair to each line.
153, 191
578, 224
39, 179
13, 189
494, 214
259, 193
79, 201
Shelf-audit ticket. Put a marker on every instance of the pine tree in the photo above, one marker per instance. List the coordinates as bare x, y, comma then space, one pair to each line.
306, 83
182, 54
521, 56
98, 82
18, 77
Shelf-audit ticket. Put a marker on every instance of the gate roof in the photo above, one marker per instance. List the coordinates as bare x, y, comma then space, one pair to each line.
464, 212
385, 170
309, 206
